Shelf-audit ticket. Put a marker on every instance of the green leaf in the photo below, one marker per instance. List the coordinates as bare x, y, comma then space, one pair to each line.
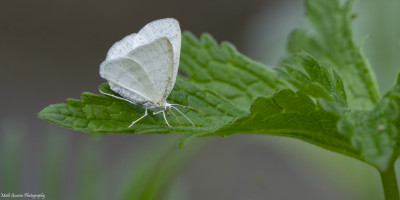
225, 71
101, 114
333, 45
285, 113
373, 133
292, 114
320, 83
394, 94
222, 85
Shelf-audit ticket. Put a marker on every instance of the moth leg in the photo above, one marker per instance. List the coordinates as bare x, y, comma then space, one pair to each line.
165, 118
145, 114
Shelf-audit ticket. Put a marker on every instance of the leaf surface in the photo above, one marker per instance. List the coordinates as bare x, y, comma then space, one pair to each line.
225, 71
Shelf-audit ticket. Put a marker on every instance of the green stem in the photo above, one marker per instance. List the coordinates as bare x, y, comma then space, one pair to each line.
389, 182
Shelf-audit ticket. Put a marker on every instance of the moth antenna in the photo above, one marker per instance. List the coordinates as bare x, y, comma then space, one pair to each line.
145, 114
176, 117
183, 115
117, 97
186, 107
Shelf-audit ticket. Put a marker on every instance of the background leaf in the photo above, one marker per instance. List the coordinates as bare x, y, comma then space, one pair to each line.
153, 177
373, 133
320, 82
332, 43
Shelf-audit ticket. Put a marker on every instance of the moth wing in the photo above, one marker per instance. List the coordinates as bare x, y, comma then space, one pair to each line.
156, 58
128, 78
168, 28
122, 47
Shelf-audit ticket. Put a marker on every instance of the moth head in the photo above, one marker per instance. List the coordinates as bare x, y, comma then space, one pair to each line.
167, 106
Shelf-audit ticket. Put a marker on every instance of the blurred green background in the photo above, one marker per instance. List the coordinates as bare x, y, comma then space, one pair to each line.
50, 51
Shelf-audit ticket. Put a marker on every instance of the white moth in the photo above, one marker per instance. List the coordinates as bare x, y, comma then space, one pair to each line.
142, 67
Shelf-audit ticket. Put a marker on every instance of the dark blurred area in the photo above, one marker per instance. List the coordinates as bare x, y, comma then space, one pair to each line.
56, 47
51, 51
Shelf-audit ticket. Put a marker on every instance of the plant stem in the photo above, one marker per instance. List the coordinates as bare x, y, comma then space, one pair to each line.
389, 182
